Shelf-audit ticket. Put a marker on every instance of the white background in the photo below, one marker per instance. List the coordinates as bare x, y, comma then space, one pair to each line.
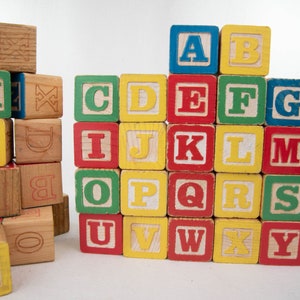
115, 37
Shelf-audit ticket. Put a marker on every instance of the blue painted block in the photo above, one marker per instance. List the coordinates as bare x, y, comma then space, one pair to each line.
18, 95
5, 107
283, 102
194, 49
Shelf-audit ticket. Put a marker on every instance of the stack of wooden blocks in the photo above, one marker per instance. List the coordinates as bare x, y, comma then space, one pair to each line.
33, 207
203, 165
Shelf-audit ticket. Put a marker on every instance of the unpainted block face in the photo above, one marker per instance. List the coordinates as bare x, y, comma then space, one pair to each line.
61, 216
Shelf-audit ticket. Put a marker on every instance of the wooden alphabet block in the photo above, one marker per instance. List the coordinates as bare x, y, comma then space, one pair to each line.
190, 239
96, 98
238, 149
96, 145
143, 98
61, 216
194, 49
241, 100
144, 193
143, 147
238, 195
30, 236
97, 191
281, 150
245, 50
280, 243
5, 94
237, 241
145, 237
191, 194
190, 147
41, 184
36, 96
6, 141
101, 234
17, 48
38, 141
191, 99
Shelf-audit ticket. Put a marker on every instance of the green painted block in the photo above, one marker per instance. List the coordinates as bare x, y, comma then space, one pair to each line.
97, 191
281, 198
241, 100
97, 98
5, 95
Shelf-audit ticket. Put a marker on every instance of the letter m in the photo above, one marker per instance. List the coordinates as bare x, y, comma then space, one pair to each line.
285, 150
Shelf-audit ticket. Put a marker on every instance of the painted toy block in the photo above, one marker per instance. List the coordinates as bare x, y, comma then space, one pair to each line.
61, 216
144, 193
237, 241
41, 184
6, 141
194, 49
281, 150
191, 194
143, 98
280, 243
17, 48
143, 147
281, 198
97, 191
238, 149
38, 141
283, 101
191, 99
241, 100
36, 96
96, 145
10, 187
245, 50
30, 236
5, 95
238, 195
145, 237
190, 147
190, 239
96, 98
101, 234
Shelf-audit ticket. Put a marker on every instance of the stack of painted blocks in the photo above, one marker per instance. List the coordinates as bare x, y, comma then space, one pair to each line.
32, 206
202, 165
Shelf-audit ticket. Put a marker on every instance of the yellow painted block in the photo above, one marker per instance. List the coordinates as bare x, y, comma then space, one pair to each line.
145, 237
237, 241
142, 146
238, 149
6, 141
237, 195
245, 50
143, 98
144, 193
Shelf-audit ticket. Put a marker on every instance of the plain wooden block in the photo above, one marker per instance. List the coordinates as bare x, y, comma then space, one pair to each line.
6, 141
17, 48
245, 50
191, 194
144, 193
96, 98
30, 236
237, 241
38, 141
238, 149
96, 145
190, 147
280, 243
36, 96
145, 237
10, 187
101, 234
238, 195
143, 97
5, 95
41, 184
61, 216
143, 146
190, 239
191, 99
97, 191
194, 49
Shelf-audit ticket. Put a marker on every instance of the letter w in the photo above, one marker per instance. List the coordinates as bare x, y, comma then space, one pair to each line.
190, 239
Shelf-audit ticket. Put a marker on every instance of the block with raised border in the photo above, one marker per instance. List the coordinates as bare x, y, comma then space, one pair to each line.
5, 95
61, 216
6, 141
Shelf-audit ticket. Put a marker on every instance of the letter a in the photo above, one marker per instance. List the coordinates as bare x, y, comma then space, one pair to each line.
193, 50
